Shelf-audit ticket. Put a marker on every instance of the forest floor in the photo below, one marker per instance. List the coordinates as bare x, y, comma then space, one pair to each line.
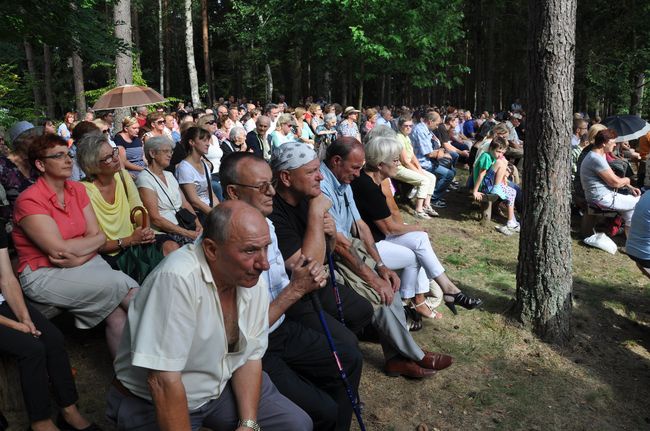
503, 377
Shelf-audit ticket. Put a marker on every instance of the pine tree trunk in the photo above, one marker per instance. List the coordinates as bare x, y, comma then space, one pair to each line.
189, 47
544, 278
161, 57
78, 79
31, 68
206, 49
135, 21
167, 30
47, 80
636, 99
361, 82
123, 60
269, 82
296, 75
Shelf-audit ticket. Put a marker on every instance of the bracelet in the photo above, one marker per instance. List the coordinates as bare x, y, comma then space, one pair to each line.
249, 423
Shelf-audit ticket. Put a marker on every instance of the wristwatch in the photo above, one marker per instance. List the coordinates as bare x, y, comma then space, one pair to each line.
120, 243
249, 423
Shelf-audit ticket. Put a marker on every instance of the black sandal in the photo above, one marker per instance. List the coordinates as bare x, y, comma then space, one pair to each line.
463, 300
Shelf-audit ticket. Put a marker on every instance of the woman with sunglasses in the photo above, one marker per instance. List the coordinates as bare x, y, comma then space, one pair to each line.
131, 151
57, 238
156, 123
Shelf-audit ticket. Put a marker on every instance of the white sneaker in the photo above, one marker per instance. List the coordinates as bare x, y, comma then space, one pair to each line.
515, 227
504, 230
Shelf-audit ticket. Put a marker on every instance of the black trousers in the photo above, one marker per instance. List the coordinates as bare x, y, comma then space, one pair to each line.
300, 364
40, 361
357, 313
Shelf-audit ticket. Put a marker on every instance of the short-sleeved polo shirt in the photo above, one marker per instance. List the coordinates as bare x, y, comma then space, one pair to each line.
343, 209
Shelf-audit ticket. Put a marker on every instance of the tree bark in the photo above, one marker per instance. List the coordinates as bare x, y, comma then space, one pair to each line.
189, 47
47, 80
206, 49
168, 43
636, 99
123, 59
136, 35
161, 57
362, 79
269, 82
544, 278
296, 81
78, 79
31, 68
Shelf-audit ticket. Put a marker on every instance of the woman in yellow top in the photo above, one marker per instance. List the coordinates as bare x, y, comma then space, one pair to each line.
410, 172
113, 195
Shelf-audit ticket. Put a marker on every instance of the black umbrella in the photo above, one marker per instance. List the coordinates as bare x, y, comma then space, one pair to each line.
628, 127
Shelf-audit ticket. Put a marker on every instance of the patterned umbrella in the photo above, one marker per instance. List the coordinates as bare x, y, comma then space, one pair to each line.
628, 127
127, 96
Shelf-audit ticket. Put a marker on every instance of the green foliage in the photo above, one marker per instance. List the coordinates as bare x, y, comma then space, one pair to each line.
93, 95
15, 97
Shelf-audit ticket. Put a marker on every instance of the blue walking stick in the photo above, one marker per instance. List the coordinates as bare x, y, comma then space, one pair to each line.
348, 387
337, 295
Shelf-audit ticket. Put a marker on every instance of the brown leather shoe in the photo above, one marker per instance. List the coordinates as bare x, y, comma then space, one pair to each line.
435, 361
407, 368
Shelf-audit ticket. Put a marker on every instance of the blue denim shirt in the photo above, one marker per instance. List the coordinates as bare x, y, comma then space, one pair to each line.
421, 139
276, 276
344, 214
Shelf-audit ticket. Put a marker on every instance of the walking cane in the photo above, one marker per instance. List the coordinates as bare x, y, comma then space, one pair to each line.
337, 295
348, 387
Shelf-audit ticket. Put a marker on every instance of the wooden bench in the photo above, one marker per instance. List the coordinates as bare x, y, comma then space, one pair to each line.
11, 398
590, 216
486, 206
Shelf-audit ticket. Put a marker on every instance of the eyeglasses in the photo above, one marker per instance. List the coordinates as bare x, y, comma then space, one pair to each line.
211, 122
59, 156
263, 188
159, 122
167, 151
105, 131
113, 157
407, 125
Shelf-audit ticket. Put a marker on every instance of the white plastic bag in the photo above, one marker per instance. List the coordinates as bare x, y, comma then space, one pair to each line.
601, 241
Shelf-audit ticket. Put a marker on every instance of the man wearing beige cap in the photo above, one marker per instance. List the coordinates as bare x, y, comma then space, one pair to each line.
348, 126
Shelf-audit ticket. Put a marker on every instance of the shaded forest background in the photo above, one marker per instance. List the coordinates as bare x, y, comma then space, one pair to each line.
56, 53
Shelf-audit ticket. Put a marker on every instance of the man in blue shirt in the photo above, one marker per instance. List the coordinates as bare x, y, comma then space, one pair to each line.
360, 264
432, 156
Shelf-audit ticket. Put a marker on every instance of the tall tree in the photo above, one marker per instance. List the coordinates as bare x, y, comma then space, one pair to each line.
47, 80
544, 277
189, 48
206, 49
123, 58
31, 67
78, 80
161, 59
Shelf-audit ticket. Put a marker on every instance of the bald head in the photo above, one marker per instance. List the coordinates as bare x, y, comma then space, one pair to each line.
222, 222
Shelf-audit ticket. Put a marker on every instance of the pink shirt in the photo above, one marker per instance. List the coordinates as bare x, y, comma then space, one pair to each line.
41, 199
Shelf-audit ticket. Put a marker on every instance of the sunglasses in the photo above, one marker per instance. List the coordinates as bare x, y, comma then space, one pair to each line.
263, 188
211, 122
159, 122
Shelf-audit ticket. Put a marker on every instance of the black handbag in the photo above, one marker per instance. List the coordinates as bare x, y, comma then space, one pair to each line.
185, 218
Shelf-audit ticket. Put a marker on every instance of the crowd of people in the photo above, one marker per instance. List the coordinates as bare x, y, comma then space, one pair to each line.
226, 250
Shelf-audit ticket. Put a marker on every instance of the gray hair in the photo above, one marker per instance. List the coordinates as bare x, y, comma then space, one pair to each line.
329, 117
156, 143
381, 149
88, 148
379, 131
236, 131
285, 119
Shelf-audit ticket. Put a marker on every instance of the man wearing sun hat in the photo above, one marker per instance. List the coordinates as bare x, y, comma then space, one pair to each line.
348, 126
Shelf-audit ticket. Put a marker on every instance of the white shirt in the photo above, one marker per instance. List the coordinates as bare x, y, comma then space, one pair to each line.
214, 154
168, 203
249, 126
276, 276
175, 323
186, 174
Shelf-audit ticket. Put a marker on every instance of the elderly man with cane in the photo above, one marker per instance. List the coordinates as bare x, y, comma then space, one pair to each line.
298, 358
